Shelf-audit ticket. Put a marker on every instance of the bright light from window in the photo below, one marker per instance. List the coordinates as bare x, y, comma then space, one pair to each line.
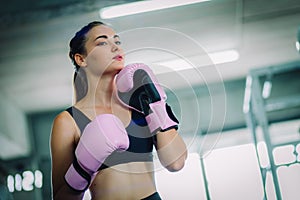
87, 195
18, 182
27, 181
266, 92
38, 181
247, 98
284, 154
143, 6
184, 184
10, 183
298, 151
263, 154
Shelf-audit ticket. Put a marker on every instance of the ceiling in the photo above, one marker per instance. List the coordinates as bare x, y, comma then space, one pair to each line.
34, 67
36, 74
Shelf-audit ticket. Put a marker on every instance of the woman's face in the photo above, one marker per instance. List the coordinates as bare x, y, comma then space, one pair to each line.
104, 53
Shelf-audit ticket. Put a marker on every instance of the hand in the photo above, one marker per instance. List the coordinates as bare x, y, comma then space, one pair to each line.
139, 89
102, 136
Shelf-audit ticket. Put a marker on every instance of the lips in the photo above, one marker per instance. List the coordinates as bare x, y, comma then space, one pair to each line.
118, 57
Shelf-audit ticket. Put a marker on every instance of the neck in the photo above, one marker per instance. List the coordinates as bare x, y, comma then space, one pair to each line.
100, 92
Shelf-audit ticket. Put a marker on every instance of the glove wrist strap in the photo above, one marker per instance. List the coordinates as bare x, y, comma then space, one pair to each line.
161, 117
76, 178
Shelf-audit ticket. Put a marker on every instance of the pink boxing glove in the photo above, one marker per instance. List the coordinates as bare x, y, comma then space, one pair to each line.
139, 89
102, 136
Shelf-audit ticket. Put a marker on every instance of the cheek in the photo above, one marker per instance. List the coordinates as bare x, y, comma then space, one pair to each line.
97, 59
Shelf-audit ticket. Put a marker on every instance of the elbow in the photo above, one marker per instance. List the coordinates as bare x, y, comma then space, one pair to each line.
175, 167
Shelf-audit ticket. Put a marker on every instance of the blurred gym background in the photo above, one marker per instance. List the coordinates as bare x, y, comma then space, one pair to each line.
240, 112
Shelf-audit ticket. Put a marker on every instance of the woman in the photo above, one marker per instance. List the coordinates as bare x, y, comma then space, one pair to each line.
98, 57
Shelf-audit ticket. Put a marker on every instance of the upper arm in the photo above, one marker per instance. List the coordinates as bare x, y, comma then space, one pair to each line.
63, 143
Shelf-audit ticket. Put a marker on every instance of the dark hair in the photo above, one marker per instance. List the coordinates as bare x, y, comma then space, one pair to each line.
77, 45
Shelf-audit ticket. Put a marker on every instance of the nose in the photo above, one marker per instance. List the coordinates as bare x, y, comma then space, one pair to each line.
114, 47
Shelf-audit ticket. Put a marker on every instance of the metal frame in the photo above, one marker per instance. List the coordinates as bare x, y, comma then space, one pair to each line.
256, 109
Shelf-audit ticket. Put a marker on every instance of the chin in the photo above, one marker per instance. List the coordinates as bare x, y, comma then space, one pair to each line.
115, 67
119, 65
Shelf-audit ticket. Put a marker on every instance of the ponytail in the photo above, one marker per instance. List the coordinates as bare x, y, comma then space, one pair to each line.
80, 84
77, 45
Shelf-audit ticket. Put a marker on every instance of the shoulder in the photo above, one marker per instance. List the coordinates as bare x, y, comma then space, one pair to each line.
63, 120
64, 126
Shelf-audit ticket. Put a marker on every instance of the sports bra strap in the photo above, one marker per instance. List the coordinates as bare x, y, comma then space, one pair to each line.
80, 118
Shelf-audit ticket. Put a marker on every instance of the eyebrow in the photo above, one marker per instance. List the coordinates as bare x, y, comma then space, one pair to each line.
105, 36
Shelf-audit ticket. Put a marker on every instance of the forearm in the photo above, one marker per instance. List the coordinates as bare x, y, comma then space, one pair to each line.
171, 150
139, 89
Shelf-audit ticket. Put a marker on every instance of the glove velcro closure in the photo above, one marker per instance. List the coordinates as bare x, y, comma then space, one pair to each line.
161, 117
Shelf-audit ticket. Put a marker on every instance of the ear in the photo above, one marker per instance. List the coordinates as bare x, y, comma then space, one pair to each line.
80, 60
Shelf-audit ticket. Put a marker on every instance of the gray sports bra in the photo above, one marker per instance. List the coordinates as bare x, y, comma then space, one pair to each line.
140, 140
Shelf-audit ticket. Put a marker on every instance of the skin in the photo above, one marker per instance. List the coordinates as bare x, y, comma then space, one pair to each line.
133, 180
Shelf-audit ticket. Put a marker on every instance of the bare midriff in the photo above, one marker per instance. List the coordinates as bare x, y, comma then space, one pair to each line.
124, 181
